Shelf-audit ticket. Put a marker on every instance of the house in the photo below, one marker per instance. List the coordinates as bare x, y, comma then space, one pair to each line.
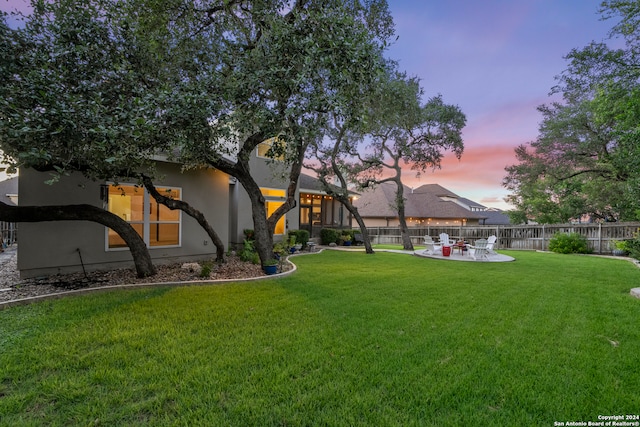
70, 246
429, 204
314, 208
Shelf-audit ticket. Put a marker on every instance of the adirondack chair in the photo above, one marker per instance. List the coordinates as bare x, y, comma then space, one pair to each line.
490, 242
444, 240
431, 246
479, 250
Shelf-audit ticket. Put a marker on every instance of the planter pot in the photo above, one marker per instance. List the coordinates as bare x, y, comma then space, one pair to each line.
619, 252
446, 250
270, 269
347, 243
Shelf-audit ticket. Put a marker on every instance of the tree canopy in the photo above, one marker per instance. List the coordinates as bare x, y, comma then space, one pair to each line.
104, 86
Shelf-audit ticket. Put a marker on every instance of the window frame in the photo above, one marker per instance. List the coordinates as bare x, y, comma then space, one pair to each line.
275, 199
146, 222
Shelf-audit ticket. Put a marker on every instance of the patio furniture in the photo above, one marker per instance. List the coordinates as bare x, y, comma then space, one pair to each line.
461, 246
444, 240
479, 250
490, 242
357, 239
431, 246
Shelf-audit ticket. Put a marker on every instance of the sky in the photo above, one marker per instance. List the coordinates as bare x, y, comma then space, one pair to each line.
496, 60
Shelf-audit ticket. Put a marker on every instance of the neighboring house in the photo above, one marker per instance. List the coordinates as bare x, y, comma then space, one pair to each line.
430, 204
61, 247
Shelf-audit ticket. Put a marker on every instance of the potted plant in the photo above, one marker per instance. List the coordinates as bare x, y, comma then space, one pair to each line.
292, 243
270, 266
346, 239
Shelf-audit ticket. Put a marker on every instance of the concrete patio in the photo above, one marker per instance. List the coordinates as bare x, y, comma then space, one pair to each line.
456, 256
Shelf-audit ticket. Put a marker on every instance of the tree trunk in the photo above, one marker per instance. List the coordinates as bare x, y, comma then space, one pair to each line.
263, 232
139, 251
404, 230
189, 210
363, 228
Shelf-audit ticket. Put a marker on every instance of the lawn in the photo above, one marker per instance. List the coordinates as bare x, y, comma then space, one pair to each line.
348, 340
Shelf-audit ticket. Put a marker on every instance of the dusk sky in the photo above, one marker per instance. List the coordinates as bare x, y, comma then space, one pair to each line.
496, 60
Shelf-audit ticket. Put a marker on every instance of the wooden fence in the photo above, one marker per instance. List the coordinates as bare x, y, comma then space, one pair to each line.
8, 233
531, 237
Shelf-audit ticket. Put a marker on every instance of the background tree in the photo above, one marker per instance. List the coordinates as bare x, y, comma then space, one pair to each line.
405, 131
393, 129
333, 163
586, 157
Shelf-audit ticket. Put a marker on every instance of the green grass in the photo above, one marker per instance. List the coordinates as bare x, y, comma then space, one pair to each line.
349, 339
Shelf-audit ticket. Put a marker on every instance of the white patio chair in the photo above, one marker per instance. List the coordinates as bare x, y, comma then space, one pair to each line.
490, 242
431, 246
444, 240
479, 250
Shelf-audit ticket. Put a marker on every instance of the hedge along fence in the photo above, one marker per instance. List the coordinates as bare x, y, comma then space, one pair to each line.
531, 237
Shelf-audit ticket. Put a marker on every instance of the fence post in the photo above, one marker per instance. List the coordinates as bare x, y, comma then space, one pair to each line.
599, 237
544, 234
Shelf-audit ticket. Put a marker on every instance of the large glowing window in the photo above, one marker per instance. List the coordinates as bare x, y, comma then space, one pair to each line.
158, 225
275, 199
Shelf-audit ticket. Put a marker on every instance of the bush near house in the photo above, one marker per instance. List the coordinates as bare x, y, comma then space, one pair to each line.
302, 236
329, 235
332, 235
569, 243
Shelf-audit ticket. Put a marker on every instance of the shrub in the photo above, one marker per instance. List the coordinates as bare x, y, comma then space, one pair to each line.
302, 236
633, 246
247, 253
249, 234
205, 272
569, 243
329, 235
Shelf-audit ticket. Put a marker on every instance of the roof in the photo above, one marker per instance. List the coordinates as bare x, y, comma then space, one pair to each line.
496, 217
422, 202
8, 186
310, 184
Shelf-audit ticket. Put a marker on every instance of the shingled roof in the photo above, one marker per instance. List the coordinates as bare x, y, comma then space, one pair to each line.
423, 202
314, 185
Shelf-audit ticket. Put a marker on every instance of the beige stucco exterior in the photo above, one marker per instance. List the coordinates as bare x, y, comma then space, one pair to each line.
55, 247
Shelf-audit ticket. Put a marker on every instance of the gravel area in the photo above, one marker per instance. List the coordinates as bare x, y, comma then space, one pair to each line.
13, 288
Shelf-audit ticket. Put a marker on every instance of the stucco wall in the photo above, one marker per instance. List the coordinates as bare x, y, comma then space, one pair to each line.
268, 174
52, 247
